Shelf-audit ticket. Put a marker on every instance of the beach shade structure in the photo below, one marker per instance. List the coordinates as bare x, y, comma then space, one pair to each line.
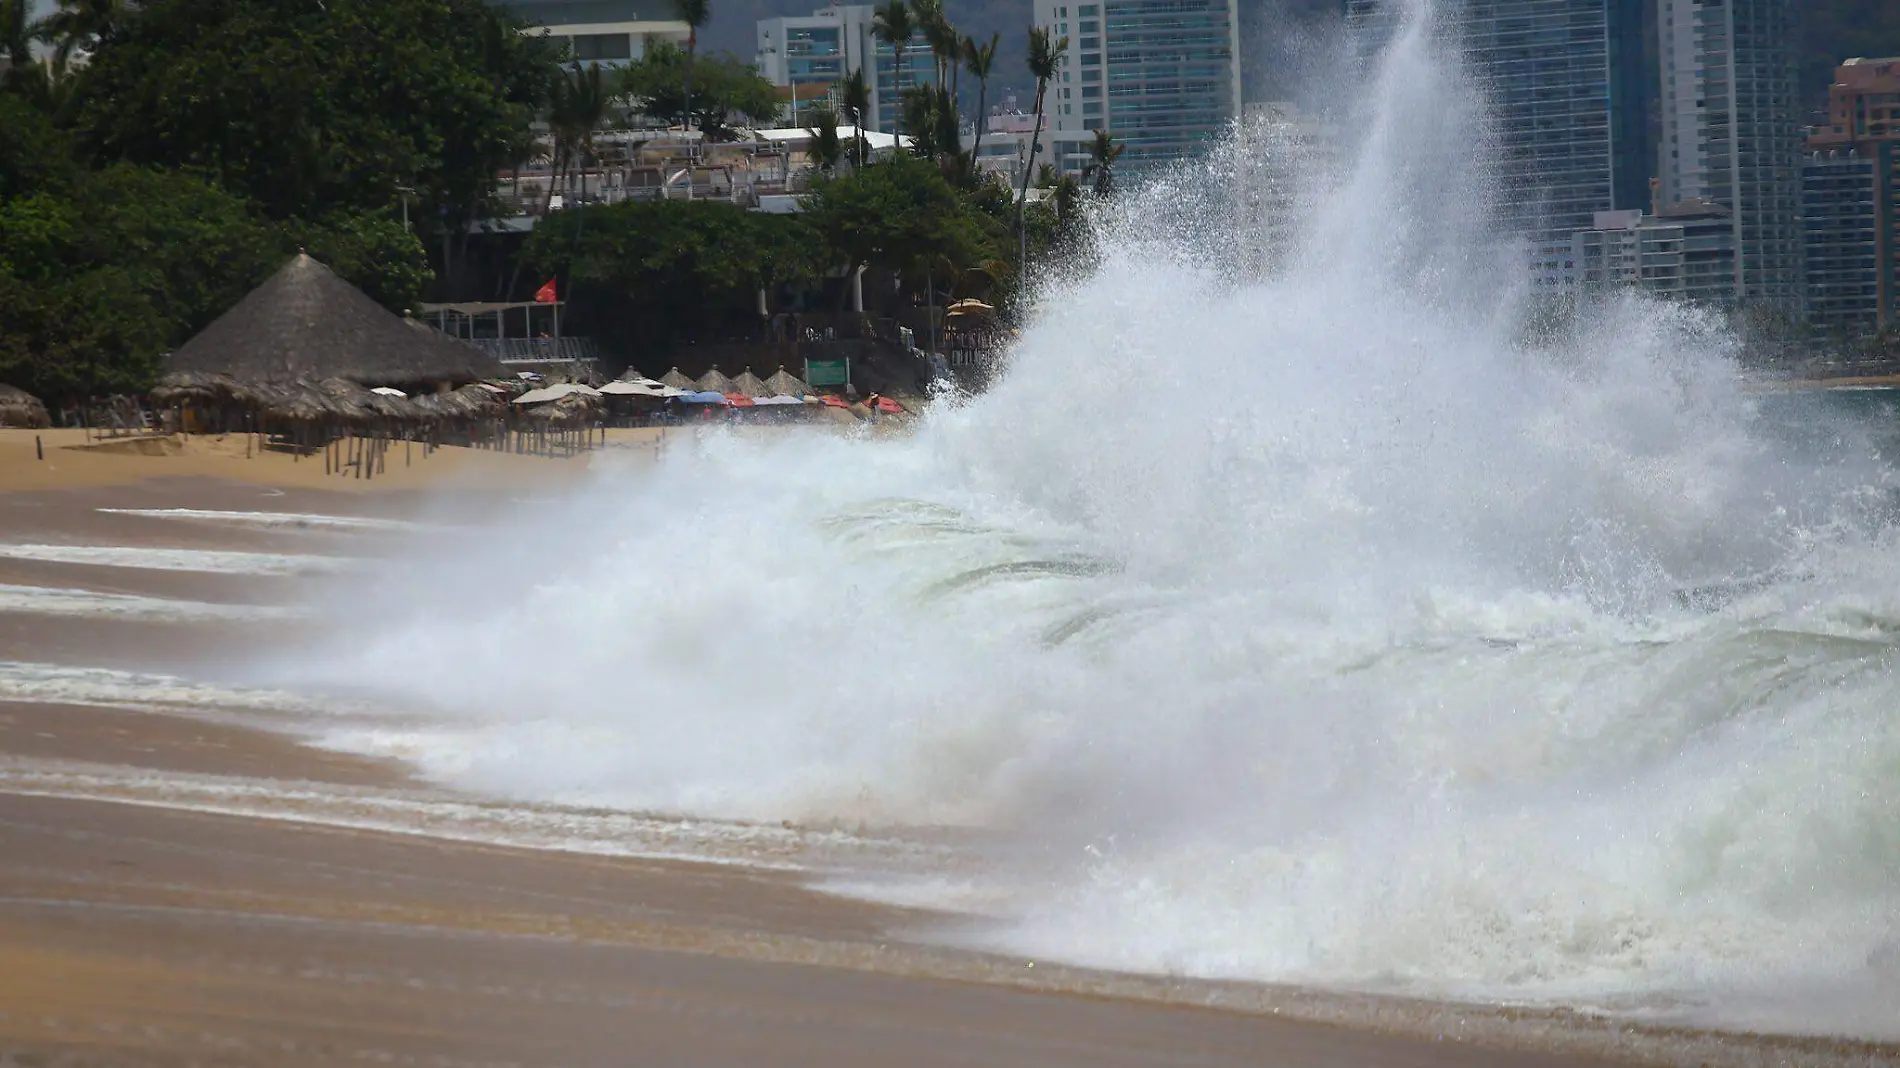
22, 410
389, 391
306, 324
740, 400
554, 393
885, 404
679, 381
714, 381
779, 401
834, 401
642, 388
787, 385
705, 397
750, 384
969, 307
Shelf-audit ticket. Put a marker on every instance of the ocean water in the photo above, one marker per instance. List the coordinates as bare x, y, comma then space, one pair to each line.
1325, 627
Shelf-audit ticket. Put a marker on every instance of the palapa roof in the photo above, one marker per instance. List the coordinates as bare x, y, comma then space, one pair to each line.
783, 384
18, 408
678, 381
306, 324
714, 381
750, 385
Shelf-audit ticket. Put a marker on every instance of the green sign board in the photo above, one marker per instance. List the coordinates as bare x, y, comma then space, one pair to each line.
827, 372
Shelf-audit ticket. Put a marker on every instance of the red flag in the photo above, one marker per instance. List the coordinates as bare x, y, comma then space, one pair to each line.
546, 295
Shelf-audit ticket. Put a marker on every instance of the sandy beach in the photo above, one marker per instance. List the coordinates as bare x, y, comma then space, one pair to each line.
194, 882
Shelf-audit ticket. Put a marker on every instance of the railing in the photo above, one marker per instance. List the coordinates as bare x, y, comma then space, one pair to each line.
539, 349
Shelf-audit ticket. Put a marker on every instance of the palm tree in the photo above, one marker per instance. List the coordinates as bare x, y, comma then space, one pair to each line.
581, 108
16, 34
1103, 153
855, 96
942, 38
893, 25
1045, 55
979, 60
79, 24
694, 14
826, 150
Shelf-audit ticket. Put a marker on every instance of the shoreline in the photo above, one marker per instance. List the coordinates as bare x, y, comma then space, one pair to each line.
146, 913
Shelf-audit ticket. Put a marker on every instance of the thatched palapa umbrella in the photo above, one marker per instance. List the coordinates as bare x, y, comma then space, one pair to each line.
306, 324
18, 408
750, 385
714, 381
678, 381
783, 384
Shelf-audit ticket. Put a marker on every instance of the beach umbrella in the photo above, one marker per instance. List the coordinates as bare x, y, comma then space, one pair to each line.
707, 397
678, 381
885, 404
781, 399
833, 401
389, 391
740, 400
642, 388
554, 393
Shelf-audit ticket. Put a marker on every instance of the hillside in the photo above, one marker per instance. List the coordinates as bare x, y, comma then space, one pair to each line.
1274, 33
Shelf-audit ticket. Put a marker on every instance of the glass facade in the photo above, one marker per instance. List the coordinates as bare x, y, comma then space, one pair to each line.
1850, 209
1570, 94
1169, 76
1751, 132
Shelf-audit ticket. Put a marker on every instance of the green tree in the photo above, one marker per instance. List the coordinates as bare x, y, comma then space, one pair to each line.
898, 214
980, 60
33, 154
79, 25
1045, 57
371, 252
893, 25
308, 109
642, 274
694, 14
724, 86
854, 95
827, 151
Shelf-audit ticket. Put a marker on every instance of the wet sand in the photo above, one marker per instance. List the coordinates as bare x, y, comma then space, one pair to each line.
134, 931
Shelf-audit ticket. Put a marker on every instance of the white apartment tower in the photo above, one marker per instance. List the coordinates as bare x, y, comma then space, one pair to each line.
813, 53
1162, 76
1731, 133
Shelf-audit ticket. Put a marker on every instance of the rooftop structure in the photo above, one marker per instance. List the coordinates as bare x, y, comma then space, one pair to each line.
609, 33
1863, 105
1686, 252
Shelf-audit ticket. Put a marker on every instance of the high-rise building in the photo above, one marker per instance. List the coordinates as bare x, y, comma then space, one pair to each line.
1162, 76
1850, 204
1686, 252
604, 32
1569, 97
813, 53
1731, 132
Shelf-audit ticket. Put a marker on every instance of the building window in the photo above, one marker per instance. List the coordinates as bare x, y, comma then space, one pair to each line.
595, 46
1093, 107
1089, 91
1091, 26
1091, 124
1091, 42
1091, 59
1089, 9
